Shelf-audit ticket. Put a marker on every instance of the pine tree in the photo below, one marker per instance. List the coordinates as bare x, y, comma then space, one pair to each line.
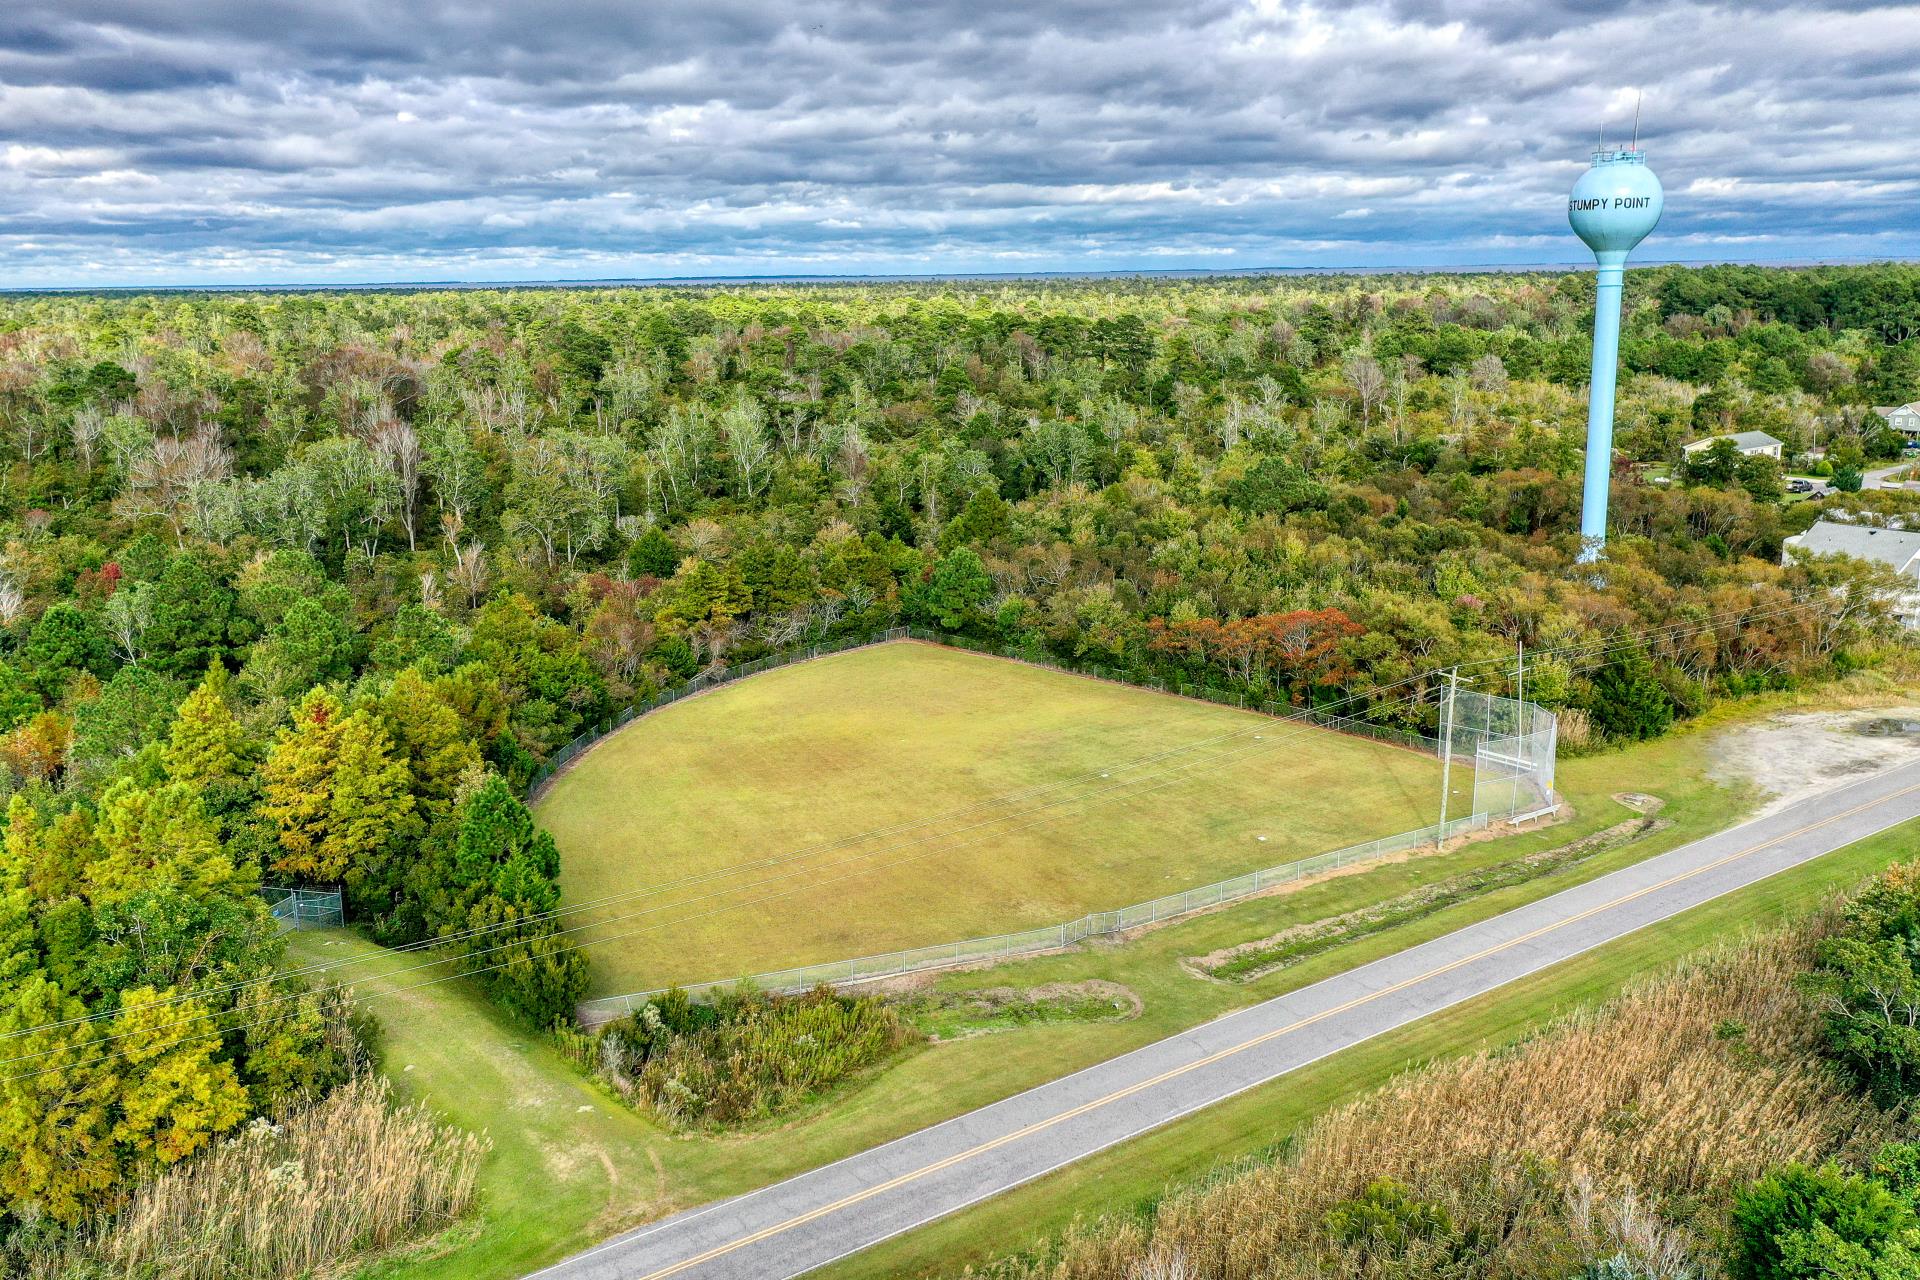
337, 798
160, 837
56, 1146
195, 619
504, 870
954, 593
206, 745
428, 735
173, 1097
1628, 699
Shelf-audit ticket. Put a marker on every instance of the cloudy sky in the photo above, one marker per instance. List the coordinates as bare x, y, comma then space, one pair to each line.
236, 141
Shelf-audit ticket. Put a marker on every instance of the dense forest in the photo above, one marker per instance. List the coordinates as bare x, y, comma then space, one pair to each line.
300, 588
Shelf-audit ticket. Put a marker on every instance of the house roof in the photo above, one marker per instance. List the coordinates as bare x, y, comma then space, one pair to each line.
1741, 440
1888, 410
1896, 547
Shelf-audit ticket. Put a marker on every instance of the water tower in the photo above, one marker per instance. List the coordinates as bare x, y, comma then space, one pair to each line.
1613, 207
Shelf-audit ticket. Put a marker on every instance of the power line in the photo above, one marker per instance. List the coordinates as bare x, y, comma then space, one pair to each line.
741, 868
1298, 719
584, 944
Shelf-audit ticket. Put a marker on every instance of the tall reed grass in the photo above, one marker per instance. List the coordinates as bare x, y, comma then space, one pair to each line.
351, 1174
1618, 1135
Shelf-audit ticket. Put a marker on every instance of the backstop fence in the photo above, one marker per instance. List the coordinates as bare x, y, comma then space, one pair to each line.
1508, 744
304, 908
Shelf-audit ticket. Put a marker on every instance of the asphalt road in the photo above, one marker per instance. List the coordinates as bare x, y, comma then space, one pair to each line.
807, 1221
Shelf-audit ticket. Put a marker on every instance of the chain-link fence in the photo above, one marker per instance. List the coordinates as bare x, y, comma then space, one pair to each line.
1508, 743
1223, 697
1008, 946
304, 908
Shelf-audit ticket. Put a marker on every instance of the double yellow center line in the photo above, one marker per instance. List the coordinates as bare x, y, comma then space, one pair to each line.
1039, 1126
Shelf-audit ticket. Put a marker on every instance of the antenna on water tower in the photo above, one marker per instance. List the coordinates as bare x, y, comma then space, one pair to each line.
1614, 205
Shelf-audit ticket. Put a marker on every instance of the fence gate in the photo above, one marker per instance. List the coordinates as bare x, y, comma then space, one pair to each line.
304, 908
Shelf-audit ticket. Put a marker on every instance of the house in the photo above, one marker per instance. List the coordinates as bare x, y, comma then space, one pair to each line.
1904, 418
1755, 444
1898, 548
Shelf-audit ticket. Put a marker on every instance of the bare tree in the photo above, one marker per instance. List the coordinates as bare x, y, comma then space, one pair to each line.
129, 613
1488, 374
395, 442
1369, 383
469, 572
13, 601
744, 426
89, 423
164, 479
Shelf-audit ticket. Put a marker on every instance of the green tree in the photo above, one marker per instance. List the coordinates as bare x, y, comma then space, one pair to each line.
133, 710
1276, 485
206, 745
57, 1151
427, 734
504, 876
159, 837
955, 591
195, 619
18, 702
337, 799
64, 642
419, 637
1869, 981
174, 1096
1776, 1217
984, 520
1628, 700
652, 554
311, 644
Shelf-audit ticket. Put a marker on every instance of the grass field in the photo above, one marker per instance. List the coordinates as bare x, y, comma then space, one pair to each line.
906, 794
570, 1166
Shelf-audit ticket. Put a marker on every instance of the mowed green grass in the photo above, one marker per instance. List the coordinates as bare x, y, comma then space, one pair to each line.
570, 1166
906, 795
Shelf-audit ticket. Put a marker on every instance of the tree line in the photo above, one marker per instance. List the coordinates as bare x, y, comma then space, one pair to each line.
300, 589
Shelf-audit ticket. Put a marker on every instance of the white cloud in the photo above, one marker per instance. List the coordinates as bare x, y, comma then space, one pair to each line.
173, 140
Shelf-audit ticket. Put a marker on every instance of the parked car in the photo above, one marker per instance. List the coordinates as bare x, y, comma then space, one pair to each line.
1799, 486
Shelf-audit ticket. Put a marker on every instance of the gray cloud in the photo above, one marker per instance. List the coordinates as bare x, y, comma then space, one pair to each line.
227, 140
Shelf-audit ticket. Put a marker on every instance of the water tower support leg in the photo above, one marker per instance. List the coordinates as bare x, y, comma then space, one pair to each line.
1606, 362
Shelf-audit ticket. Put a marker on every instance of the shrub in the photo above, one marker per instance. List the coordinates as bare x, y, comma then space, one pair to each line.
1785, 1222
1869, 986
744, 1057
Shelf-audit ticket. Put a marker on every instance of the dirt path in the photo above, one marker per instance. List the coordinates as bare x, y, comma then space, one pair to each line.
1799, 754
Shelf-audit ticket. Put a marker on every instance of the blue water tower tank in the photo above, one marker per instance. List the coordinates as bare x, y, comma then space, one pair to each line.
1613, 207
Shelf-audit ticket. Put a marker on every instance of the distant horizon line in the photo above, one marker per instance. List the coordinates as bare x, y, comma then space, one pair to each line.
907, 277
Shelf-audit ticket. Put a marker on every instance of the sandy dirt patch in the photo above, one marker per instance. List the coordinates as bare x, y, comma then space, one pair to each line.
1793, 756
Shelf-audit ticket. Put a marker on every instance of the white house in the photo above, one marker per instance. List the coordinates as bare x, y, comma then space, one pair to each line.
1904, 418
1755, 444
1898, 548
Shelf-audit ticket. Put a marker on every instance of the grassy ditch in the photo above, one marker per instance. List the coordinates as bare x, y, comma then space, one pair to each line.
1255, 959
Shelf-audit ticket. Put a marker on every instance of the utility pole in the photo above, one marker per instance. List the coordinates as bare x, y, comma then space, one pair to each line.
1519, 695
1446, 758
